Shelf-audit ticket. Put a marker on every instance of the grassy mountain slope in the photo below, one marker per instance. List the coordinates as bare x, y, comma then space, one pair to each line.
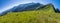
45, 14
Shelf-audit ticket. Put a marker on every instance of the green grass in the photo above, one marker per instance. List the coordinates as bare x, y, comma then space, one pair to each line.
44, 15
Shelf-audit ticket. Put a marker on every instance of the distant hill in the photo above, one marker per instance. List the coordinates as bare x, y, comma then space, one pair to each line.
57, 10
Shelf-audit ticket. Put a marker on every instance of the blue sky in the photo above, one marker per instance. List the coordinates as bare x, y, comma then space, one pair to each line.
7, 4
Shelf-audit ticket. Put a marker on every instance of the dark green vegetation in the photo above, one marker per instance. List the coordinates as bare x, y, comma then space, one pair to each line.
45, 14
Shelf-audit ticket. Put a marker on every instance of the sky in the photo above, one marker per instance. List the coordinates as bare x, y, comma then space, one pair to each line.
7, 4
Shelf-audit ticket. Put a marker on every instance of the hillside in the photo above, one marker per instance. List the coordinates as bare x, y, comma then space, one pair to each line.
45, 14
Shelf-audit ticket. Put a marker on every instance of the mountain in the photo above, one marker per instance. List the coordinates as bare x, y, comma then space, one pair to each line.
44, 14
24, 7
4, 12
57, 10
